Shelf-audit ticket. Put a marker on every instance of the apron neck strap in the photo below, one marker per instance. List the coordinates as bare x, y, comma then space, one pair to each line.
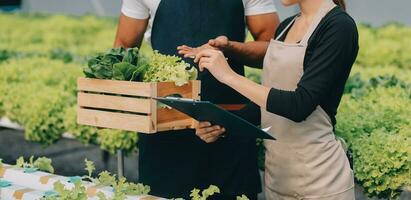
287, 27
324, 9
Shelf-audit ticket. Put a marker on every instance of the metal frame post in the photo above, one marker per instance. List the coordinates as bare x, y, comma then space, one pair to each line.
120, 163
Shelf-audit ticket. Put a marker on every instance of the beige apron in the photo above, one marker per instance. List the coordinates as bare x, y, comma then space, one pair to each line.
306, 161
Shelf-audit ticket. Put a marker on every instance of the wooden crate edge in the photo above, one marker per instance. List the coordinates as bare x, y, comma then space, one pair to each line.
105, 119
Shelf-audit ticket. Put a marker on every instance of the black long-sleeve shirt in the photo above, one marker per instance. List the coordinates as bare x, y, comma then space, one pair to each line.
331, 52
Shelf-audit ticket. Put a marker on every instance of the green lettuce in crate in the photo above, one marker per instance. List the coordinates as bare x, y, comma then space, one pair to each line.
129, 65
101, 66
169, 68
116, 63
130, 56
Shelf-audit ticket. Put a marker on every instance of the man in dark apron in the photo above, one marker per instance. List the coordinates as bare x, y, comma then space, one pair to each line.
175, 162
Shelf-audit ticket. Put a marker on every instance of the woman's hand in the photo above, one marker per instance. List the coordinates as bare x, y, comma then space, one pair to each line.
219, 43
215, 62
209, 133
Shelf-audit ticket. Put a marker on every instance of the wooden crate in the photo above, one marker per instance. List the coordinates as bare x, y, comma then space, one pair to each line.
128, 105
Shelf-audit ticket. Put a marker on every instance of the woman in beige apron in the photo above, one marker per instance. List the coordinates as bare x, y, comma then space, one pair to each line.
306, 161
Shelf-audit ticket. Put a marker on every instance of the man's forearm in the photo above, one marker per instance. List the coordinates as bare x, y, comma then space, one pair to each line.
130, 32
249, 53
262, 27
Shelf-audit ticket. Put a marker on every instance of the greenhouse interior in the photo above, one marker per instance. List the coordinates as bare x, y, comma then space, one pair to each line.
196, 100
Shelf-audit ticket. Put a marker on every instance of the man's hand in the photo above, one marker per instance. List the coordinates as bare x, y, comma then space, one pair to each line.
219, 43
209, 133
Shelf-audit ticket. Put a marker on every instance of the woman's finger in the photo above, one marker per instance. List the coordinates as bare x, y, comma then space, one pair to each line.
205, 65
205, 60
204, 53
201, 65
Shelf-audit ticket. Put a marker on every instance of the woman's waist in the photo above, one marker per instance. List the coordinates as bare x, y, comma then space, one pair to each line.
315, 170
297, 137
313, 130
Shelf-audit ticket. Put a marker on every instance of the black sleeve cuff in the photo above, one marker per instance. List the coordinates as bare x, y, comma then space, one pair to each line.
274, 103
285, 104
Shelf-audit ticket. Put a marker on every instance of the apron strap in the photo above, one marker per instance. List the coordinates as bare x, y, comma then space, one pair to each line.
287, 27
324, 9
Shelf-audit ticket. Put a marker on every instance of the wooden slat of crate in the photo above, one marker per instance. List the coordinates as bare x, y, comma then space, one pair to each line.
114, 102
157, 119
122, 121
171, 119
115, 87
175, 125
197, 88
186, 91
165, 115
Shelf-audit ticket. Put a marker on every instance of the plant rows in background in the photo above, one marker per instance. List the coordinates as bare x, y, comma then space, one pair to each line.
374, 119
40, 94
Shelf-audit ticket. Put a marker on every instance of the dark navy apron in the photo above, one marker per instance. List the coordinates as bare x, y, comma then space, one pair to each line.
175, 162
